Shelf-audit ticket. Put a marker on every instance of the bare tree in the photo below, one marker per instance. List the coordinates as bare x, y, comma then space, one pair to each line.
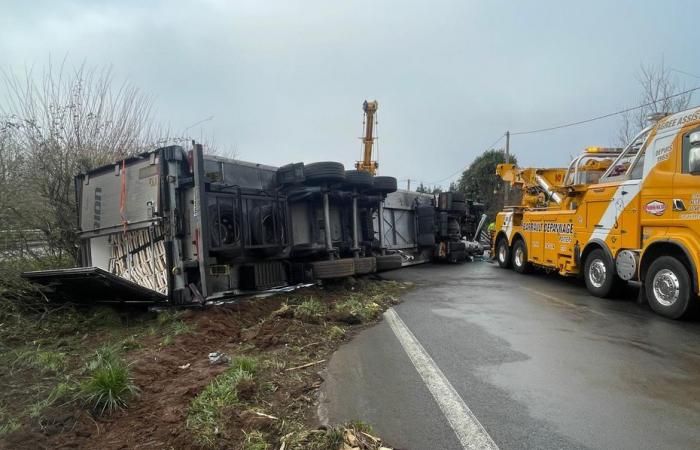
53, 125
658, 86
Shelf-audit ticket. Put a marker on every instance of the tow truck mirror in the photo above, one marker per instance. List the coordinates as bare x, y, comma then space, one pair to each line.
694, 156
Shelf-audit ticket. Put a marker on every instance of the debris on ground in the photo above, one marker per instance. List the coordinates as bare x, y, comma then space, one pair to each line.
256, 389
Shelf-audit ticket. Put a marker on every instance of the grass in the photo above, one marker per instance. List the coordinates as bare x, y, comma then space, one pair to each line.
108, 385
336, 332
255, 440
204, 415
37, 358
167, 340
179, 327
365, 309
310, 310
7, 424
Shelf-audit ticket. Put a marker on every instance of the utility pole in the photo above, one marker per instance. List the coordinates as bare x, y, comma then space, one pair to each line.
507, 191
408, 184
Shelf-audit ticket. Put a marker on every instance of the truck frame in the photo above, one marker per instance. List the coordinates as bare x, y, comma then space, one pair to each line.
615, 215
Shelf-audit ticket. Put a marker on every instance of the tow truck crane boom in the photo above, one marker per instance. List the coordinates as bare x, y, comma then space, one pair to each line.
367, 164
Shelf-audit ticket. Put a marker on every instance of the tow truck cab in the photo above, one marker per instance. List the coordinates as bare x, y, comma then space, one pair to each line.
616, 216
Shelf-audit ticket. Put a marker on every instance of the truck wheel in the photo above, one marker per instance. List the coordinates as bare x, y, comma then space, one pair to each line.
519, 260
323, 172
667, 285
600, 276
385, 185
365, 265
337, 268
503, 253
359, 179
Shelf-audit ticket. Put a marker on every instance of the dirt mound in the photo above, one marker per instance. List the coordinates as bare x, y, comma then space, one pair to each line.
171, 376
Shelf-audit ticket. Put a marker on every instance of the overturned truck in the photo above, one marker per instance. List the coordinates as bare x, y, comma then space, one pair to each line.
183, 227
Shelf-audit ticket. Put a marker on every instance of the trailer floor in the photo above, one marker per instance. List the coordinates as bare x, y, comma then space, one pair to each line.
538, 362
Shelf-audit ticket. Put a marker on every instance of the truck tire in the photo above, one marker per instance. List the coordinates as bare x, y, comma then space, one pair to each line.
385, 185
389, 262
668, 287
365, 265
324, 172
336, 268
519, 258
359, 179
503, 253
600, 275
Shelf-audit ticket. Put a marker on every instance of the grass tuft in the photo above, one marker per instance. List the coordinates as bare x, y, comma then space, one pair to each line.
204, 415
108, 385
310, 310
255, 440
43, 360
336, 332
245, 363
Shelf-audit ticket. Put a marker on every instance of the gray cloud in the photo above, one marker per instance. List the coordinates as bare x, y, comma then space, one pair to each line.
285, 80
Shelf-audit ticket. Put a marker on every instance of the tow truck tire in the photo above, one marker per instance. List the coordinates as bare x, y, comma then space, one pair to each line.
519, 258
388, 262
668, 287
503, 253
337, 268
600, 275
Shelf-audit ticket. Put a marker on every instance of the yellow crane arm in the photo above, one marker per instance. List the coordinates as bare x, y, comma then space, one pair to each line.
367, 164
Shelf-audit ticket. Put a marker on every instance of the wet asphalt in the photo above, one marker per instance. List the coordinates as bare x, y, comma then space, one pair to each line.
540, 363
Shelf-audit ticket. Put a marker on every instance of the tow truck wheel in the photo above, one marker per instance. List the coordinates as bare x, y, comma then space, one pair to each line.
503, 253
599, 274
667, 285
519, 260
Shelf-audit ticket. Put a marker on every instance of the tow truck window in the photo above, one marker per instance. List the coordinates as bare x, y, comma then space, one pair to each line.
685, 153
638, 166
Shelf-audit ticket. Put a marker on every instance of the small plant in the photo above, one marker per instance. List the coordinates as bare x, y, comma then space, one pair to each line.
62, 390
167, 340
130, 343
108, 385
255, 441
43, 360
7, 424
310, 310
245, 363
335, 332
180, 327
204, 414
364, 311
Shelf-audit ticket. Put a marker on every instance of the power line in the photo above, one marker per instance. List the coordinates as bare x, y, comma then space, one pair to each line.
685, 73
604, 116
465, 168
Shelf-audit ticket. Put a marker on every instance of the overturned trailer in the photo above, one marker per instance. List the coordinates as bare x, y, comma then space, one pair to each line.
183, 227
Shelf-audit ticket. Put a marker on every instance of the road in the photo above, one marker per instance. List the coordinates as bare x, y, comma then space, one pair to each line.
538, 361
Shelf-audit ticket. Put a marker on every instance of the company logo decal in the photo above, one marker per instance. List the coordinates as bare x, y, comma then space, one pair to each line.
655, 208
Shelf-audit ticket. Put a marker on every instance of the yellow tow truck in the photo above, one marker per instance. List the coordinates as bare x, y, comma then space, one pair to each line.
615, 215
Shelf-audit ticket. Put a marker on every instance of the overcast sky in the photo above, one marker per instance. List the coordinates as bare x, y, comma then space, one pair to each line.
285, 80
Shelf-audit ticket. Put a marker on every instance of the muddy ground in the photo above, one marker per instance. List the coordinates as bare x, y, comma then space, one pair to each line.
289, 336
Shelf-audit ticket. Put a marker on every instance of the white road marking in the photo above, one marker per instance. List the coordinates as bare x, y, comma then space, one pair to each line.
469, 431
